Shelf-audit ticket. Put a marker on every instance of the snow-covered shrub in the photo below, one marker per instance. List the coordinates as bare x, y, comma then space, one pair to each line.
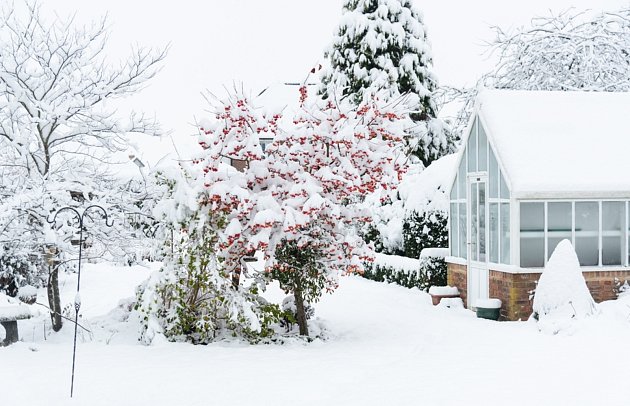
561, 294
424, 230
432, 271
191, 299
27, 294
621, 289
411, 273
195, 297
416, 215
18, 269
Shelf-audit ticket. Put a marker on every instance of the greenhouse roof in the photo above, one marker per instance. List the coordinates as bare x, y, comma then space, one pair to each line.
560, 144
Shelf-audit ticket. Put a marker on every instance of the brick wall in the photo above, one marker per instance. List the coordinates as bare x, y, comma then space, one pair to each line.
515, 290
456, 276
602, 283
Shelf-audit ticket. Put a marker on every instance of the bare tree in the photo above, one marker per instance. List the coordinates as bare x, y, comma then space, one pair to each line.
55, 81
572, 50
58, 130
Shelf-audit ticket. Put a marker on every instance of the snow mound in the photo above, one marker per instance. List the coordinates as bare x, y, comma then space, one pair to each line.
451, 303
28, 294
443, 290
489, 303
6, 300
434, 253
18, 312
397, 262
562, 294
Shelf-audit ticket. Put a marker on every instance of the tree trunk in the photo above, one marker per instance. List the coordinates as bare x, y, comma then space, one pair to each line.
54, 302
301, 313
236, 277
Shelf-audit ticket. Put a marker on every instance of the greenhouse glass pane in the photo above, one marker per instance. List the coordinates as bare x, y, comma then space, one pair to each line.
483, 148
482, 222
505, 233
559, 224
472, 149
505, 192
587, 233
532, 234
613, 222
463, 253
461, 179
453, 221
474, 235
494, 232
493, 176
454, 189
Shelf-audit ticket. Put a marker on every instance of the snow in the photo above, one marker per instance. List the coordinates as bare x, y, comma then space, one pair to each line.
488, 303
561, 293
443, 290
397, 262
427, 189
434, 253
387, 345
147, 153
560, 144
14, 312
420, 190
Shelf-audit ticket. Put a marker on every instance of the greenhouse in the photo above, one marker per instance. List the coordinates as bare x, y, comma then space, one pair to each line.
537, 168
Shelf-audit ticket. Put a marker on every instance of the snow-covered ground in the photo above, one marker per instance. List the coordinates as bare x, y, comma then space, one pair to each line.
387, 346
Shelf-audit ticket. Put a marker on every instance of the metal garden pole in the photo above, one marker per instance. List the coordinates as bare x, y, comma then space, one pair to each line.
77, 298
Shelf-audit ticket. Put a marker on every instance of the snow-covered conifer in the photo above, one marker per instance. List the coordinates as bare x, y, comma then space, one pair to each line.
382, 44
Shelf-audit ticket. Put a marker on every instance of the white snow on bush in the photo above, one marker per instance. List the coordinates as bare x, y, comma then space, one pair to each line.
426, 189
397, 262
420, 190
443, 290
561, 293
434, 253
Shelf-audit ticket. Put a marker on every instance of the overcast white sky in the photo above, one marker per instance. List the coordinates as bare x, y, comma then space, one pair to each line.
258, 42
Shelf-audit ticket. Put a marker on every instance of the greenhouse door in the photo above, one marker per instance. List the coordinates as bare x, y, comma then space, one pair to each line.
477, 256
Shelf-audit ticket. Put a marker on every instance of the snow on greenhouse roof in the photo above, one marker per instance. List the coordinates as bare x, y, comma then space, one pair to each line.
560, 144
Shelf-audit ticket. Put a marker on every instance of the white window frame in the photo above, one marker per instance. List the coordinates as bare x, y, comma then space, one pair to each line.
515, 232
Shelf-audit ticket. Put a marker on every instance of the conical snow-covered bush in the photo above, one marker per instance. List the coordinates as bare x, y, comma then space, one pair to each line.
562, 294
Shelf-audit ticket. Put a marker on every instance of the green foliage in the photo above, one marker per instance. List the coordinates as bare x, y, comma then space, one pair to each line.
299, 268
431, 272
192, 298
424, 230
420, 231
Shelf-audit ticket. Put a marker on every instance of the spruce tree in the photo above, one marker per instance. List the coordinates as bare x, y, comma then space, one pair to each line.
383, 44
